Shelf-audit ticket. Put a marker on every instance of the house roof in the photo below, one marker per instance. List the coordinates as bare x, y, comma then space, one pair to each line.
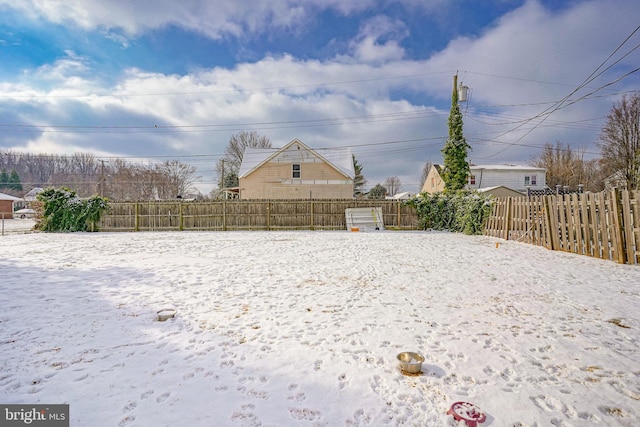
4, 196
497, 188
507, 167
401, 196
340, 159
439, 168
31, 195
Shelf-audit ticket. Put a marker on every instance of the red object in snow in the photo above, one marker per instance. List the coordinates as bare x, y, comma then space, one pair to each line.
467, 412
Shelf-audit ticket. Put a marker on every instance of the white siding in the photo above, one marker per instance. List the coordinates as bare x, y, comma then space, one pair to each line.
514, 178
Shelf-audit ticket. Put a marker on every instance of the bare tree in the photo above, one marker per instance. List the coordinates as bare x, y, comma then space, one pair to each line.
393, 185
179, 178
116, 179
563, 165
234, 152
620, 141
567, 167
85, 171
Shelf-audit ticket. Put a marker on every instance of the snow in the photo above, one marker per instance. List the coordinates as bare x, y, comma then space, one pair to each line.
304, 329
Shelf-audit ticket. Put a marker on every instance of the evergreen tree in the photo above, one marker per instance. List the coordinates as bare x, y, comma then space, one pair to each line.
4, 179
230, 180
14, 181
359, 181
456, 166
377, 192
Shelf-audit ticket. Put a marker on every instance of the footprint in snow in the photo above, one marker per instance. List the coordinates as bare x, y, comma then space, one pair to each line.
130, 407
146, 394
163, 397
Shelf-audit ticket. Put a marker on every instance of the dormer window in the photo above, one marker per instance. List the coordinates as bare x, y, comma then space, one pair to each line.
295, 171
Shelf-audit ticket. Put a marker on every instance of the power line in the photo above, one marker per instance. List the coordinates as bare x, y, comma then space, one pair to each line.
235, 90
563, 102
225, 127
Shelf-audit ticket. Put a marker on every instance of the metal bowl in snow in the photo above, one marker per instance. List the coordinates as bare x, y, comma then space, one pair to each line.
410, 362
164, 314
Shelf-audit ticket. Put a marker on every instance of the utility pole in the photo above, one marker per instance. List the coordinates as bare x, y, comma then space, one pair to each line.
222, 178
102, 179
455, 85
460, 92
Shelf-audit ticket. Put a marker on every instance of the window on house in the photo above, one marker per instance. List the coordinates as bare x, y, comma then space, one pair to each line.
472, 180
527, 180
433, 183
296, 171
534, 180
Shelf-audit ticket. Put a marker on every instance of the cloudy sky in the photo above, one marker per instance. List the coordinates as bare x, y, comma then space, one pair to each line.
151, 81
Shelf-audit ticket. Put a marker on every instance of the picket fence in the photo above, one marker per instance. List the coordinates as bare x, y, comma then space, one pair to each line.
248, 215
602, 225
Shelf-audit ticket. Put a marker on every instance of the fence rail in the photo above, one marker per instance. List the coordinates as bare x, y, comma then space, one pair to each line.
248, 215
602, 225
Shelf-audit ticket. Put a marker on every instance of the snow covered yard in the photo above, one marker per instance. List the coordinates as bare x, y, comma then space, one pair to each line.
303, 328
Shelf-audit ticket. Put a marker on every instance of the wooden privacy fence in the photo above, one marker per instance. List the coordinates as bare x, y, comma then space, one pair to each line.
602, 225
248, 215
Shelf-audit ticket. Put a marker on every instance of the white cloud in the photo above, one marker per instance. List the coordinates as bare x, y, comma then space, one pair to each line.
69, 66
379, 40
533, 56
214, 19
117, 38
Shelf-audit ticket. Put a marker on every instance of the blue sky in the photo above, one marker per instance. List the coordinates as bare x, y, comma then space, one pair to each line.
374, 75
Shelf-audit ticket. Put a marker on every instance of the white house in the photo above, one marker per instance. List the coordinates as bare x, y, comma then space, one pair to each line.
516, 177
405, 195
32, 195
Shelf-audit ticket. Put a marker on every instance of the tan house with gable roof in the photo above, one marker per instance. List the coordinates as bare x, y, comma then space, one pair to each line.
295, 171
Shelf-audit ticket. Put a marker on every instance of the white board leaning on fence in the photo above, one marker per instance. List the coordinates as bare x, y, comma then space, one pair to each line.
364, 219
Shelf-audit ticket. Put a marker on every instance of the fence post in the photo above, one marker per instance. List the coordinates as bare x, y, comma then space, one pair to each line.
269, 215
180, 218
551, 223
617, 226
224, 215
311, 219
507, 219
629, 237
136, 219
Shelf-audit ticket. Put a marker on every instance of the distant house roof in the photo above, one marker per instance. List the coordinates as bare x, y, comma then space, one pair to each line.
401, 196
501, 191
31, 195
507, 167
4, 196
340, 159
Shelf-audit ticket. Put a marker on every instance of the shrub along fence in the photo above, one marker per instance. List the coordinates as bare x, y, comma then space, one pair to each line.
248, 215
602, 225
